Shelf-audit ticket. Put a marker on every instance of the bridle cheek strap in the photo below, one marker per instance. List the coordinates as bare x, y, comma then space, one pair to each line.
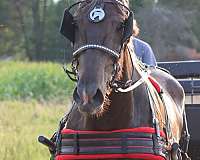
144, 74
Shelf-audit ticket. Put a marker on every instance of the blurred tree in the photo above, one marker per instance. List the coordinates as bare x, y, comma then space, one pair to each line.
136, 5
7, 34
169, 27
184, 4
38, 27
55, 44
19, 18
190, 10
31, 28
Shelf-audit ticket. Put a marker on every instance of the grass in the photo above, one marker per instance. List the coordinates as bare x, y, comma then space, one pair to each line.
34, 81
20, 125
32, 98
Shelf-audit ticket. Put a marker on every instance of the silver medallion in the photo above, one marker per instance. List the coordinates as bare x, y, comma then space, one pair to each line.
97, 15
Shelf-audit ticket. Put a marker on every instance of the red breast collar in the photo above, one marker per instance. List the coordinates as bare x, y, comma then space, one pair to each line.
133, 143
155, 84
134, 130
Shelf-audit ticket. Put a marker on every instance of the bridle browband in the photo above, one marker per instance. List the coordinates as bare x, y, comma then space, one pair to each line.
96, 46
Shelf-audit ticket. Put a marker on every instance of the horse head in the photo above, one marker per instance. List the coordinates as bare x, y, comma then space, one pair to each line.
100, 29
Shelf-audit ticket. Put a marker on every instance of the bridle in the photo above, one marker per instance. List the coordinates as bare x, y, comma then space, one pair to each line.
117, 85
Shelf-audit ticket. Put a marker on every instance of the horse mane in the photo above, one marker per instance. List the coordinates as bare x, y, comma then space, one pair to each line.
124, 73
125, 2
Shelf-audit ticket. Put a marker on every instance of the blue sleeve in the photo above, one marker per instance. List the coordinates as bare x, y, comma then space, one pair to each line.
148, 56
144, 52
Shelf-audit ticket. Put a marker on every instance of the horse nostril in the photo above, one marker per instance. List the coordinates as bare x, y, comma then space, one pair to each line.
98, 98
76, 96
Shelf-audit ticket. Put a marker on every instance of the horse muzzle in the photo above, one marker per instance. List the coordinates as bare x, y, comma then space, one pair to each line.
89, 99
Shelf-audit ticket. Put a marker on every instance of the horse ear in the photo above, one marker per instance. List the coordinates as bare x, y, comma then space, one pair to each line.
67, 28
128, 29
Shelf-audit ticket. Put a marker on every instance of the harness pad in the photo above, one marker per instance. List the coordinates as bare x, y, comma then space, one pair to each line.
155, 84
140, 143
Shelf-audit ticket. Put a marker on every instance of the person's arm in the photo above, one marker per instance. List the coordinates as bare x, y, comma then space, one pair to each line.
148, 56
144, 52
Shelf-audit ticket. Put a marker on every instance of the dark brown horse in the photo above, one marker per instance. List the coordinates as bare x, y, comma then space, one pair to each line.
104, 60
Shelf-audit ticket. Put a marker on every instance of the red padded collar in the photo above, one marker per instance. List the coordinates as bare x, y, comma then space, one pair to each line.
155, 84
143, 156
110, 156
137, 130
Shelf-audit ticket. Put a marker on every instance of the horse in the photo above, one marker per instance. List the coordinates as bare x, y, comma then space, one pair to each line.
113, 90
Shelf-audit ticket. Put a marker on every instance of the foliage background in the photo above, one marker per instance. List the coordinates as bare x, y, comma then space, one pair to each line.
34, 81
33, 96
30, 29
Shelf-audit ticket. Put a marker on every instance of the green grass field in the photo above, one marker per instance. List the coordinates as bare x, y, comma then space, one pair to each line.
33, 98
20, 125
38, 81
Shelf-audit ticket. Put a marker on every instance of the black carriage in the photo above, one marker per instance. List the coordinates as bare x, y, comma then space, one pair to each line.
188, 74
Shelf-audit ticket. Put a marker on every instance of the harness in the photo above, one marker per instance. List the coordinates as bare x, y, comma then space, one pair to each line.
150, 143
124, 143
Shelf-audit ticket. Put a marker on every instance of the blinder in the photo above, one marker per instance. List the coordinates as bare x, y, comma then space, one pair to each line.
67, 28
128, 28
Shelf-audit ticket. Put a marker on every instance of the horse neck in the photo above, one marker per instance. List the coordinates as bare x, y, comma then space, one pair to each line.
119, 110
124, 110
141, 110
131, 109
